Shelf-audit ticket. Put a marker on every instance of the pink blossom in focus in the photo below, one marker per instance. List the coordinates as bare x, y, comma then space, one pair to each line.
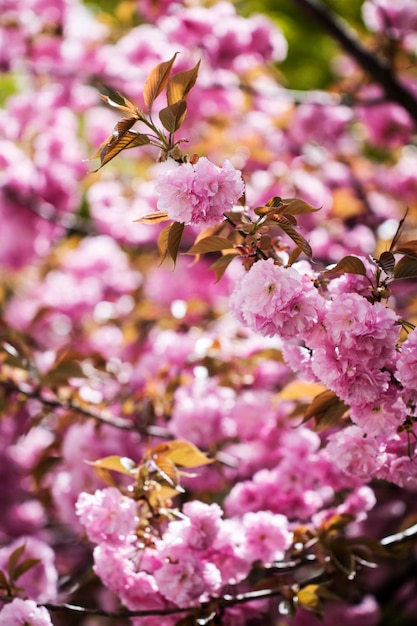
273, 300
24, 613
381, 417
199, 194
205, 523
407, 362
107, 515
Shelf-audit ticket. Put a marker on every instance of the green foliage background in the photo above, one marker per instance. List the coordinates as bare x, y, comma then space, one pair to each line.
310, 51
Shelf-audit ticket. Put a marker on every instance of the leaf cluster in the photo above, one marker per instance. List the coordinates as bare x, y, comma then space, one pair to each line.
241, 235
171, 117
156, 478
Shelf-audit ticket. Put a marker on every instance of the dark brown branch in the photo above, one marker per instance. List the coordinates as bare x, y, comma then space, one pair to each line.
380, 71
104, 417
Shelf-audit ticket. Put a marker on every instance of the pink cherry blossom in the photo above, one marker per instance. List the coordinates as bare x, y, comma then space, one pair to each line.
107, 515
407, 362
273, 300
355, 453
24, 613
266, 536
199, 194
184, 578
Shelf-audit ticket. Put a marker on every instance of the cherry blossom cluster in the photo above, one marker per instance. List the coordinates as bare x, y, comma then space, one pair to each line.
105, 353
348, 343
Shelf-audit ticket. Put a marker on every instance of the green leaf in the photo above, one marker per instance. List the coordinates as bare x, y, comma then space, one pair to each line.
174, 239
214, 243
157, 80
348, 265
121, 464
409, 248
173, 116
405, 268
180, 85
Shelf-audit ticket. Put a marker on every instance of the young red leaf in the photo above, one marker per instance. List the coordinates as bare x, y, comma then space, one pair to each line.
157, 80
326, 408
220, 265
211, 244
116, 143
405, 268
348, 265
295, 206
288, 228
14, 558
180, 85
387, 262
166, 470
174, 239
153, 218
409, 248
127, 106
182, 453
120, 464
173, 116
163, 242
4, 583
23, 567
398, 232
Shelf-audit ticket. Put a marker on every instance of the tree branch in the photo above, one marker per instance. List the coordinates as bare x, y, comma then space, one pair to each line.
104, 417
227, 599
380, 71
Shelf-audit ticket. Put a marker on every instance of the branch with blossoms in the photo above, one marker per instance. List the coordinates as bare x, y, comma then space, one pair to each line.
301, 580
282, 296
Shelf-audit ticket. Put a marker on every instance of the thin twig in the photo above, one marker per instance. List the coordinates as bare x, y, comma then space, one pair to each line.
228, 600
69, 405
